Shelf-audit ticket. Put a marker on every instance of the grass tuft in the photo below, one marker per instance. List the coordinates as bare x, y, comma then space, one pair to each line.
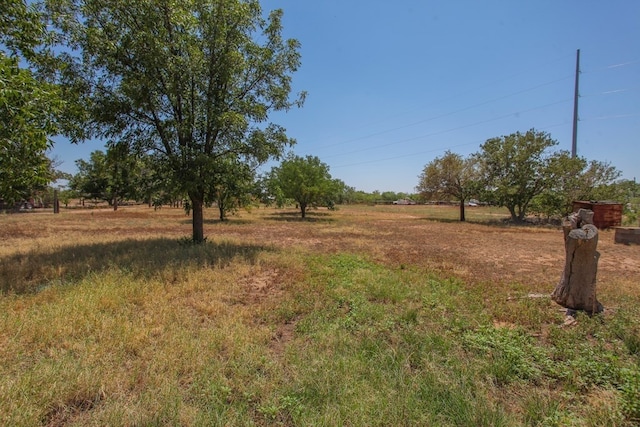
366, 317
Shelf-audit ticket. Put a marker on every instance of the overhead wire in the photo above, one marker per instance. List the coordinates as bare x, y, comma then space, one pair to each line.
609, 67
464, 93
610, 92
614, 116
475, 123
432, 150
477, 142
624, 64
440, 116
451, 129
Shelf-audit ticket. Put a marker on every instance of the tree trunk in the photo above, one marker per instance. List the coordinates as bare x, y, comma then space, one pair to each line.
197, 220
56, 202
303, 209
577, 287
115, 203
462, 218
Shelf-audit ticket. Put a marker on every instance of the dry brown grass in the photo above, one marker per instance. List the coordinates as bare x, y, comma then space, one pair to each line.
477, 252
108, 320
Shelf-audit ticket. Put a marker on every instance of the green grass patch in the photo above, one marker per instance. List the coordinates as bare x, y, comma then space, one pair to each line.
230, 334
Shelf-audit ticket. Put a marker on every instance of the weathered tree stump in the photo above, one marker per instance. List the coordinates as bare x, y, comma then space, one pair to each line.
577, 287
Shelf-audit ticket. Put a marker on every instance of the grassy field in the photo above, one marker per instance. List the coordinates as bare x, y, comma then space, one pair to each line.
364, 316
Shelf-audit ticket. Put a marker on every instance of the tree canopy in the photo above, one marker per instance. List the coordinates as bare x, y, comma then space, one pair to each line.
21, 28
516, 168
571, 179
450, 176
234, 185
28, 106
305, 180
192, 81
27, 113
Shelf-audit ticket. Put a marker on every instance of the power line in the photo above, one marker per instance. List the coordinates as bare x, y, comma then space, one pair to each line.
440, 116
611, 66
623, 64
408, 155
464, 93
477, 142
610, 92
451, 129
615, 116
477, 123
414, 154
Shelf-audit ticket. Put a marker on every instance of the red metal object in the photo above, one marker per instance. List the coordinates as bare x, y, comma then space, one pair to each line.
605, 214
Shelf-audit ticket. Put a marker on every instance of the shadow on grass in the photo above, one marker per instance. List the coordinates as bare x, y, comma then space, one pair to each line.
499, 223
441, 220
30, 272
216, 221
297, 216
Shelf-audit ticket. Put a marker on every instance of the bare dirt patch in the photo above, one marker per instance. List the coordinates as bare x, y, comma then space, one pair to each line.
473, 251
483, 249
261, 286
282, 337
70, 411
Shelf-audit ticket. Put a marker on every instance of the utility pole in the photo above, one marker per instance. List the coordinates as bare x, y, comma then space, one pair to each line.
576, 95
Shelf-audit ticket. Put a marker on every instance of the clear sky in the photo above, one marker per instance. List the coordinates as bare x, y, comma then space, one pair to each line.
392, 85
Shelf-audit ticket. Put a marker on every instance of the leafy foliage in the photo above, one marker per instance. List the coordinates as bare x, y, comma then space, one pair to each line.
232, 187
305, 180
27, 113
92, 180
449, 176
111, 176
21, 28
192, 82
523, 174
572, 179
28, 106
516, 168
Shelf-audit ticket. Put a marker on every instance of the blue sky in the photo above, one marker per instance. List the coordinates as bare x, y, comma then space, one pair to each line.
392, 85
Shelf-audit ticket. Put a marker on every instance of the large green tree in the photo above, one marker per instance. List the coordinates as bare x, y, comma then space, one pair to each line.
234, 184
307, 181
450, 176
153, 182
92, 180
515, 169
21, 28
123, 169
28, 106
192, 81
111, 177
574, 178
27, 117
